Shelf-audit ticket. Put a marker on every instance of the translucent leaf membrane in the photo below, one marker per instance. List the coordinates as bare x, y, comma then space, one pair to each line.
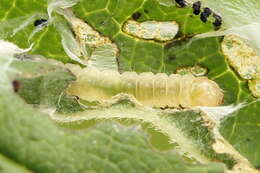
69, 42
250, 33
96, 50
7, 51
240, 17
235, 13
54, 5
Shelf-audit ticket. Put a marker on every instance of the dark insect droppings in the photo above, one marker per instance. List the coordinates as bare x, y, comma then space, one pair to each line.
203, 18
196, 7
218, 20
39, 22
16, 85
182, 3
205, 14
136, 16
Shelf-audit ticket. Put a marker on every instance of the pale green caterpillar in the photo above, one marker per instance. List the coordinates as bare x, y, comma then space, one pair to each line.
155, 90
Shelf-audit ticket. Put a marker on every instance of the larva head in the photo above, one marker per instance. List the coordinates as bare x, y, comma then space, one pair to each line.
205, 92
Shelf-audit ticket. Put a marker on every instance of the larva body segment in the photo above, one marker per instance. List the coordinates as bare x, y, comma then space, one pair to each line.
128, 83
173, 89
145, 93
161, 90
158, 90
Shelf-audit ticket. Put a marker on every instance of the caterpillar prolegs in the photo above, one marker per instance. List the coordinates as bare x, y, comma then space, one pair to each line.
155, 90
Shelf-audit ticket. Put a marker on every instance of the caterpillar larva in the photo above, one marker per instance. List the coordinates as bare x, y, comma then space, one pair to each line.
156, 90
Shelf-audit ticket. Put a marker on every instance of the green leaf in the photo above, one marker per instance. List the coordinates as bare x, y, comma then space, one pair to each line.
108, 147
137, 55
242, 131
45, 85
16, 8
48, 89
21, 14
187, 128
141, 55
207, 53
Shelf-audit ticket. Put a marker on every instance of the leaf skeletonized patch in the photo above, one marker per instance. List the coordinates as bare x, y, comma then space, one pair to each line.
152, 30
244, 61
